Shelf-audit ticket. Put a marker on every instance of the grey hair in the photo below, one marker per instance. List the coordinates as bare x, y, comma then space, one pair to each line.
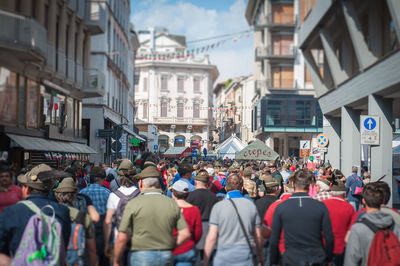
151, 182
322, 186
354, 169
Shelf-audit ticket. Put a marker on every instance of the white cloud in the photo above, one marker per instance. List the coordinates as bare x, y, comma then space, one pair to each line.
232, 59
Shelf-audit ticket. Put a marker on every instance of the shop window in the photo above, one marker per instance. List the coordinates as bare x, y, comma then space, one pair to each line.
179, 141
8, 96
32, 104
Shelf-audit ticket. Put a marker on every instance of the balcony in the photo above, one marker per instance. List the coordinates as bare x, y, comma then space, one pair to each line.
281, 85
95, 17
24, 37
180, 120
276, 20
276, 52
93, 83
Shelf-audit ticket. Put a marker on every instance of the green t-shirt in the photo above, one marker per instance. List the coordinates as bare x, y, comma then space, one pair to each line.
152, 217
87, 224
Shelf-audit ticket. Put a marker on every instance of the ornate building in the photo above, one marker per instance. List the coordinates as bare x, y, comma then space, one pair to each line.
174, 94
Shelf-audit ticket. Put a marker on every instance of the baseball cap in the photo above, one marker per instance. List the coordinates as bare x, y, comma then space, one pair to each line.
181, 186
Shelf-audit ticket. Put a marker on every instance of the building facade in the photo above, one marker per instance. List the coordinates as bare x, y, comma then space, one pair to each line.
285, 109
233, 109
359, 77
45, 73
174, 94
113, 53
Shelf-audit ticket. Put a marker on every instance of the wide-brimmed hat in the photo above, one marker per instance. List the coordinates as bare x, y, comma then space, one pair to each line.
202, 176
41, 177
67, 185
150, 171
126, 168
269, 181
338, 185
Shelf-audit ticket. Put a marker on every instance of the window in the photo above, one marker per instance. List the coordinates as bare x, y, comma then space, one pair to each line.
180, 84
164, 83
8, 96
144, 110
283, 13
196, 110
164, 107
144, 84
196, 85
32, 104
179, 110
282, 77
282, 44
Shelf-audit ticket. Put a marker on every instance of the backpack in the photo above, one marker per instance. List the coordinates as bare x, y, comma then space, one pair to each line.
123, 200
80, 203
41, 242
77, 240
385, 246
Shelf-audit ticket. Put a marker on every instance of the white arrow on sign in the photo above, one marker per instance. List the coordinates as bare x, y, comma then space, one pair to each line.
369, 123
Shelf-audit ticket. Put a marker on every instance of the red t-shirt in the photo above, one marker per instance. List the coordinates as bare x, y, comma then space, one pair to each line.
12, 196
193, 220
270, 214
341, 214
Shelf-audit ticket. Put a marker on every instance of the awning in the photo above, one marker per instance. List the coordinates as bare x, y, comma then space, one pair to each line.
178, 152
257, 150
40, 144
133, 133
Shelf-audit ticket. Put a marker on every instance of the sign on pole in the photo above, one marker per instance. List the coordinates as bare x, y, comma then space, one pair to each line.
322, 140
305, 148
369, 129
304, 153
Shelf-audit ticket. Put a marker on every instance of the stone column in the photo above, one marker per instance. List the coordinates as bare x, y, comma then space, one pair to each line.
350, 146
381, 156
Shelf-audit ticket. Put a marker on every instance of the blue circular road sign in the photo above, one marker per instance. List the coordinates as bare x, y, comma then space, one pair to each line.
369, 123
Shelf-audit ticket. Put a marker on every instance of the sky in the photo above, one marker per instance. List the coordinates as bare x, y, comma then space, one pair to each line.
199, 19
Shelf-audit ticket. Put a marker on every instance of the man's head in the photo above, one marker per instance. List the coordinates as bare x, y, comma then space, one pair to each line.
271, 186
354, 169
302, 180
384, 187
372, 195
66, 191
338, 188
97, 175
149, 178
185, 170
247, 172
202, 178
39, 180
127, 172
234, 182
272, 167
5, 176
322, 185
180, 190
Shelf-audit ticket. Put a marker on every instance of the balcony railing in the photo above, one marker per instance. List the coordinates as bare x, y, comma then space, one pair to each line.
276, 51
180, 120
281, 84
272, 20
23, 34
70, 70
93, 83
95, 17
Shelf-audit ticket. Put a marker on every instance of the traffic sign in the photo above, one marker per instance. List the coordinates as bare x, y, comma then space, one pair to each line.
116, 146
305, 144
322, 140
194, 153
369, 129
104, 133
156, 147
304, 153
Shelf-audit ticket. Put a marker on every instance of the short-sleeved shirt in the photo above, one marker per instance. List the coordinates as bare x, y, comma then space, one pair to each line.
204, 199
113, 199
98, 195
230, 232
263, 204
87, 223
12, 196
152, 217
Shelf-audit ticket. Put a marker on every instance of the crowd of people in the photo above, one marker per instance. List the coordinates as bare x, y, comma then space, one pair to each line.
174, 212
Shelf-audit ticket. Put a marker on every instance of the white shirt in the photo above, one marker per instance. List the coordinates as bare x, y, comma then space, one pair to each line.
113, 199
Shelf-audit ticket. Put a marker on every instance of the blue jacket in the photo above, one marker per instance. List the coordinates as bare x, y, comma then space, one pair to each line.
352, 182
14, 219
